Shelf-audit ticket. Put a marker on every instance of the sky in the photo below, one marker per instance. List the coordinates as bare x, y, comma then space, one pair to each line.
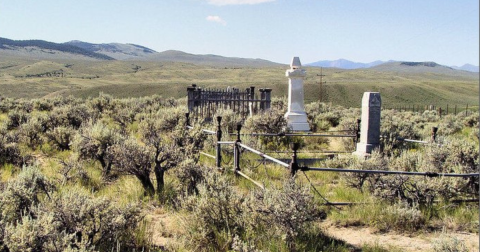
443, 31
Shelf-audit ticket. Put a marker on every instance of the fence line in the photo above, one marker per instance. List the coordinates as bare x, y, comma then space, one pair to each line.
441, 111
294, 167
205, 102
293, 134
427, 174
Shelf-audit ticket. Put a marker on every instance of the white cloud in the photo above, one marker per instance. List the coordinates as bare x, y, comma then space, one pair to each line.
237, 2
216, 19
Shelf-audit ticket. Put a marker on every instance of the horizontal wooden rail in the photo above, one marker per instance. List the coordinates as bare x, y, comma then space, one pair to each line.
250, 179
412, 141
208, 155
264, 155
211, 132
226, 142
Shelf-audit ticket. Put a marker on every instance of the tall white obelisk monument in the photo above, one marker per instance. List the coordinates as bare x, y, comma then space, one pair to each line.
296, 116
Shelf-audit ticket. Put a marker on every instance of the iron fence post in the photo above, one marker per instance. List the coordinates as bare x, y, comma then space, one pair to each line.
236, 149
218, 156
294, 164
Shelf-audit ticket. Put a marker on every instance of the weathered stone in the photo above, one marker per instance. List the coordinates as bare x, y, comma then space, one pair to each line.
370, 124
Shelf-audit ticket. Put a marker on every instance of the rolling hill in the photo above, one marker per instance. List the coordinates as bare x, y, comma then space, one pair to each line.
115, 50
78, 50
45, 49
208, 59
33, 69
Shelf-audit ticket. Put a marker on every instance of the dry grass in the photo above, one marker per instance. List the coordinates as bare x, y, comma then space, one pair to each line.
343, 87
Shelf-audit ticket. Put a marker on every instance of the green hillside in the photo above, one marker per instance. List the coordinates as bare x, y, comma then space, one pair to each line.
9, 44
400, 85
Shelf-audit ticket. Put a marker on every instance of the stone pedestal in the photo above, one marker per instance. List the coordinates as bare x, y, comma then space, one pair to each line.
296, 116
370, 124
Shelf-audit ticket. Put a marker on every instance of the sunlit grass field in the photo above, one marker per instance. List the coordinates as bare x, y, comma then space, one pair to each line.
398, 86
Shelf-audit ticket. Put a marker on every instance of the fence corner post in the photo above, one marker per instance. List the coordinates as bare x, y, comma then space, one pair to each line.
294, 164
236, 149
434, 134
218, 157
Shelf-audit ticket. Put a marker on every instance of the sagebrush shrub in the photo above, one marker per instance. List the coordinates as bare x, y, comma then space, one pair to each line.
31, 133
61, 137
72, 169
10, 153
16, 118
92, 142
190, 175
22, 194
448, 243
401, 217
272, 122
101, 104
216, 214
289, 210
69, 116
357, 179
395, 126
132, 158
170, 145
35, 216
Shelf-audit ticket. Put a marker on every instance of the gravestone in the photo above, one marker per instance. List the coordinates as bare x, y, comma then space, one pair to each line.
296, 116
370, 124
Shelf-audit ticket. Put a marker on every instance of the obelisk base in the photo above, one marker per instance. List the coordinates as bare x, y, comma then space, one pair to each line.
297, 121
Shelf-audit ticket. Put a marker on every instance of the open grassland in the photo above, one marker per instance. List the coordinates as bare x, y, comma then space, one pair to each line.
21, 78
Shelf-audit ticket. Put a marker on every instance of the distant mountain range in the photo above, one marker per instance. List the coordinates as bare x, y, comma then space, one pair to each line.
44, 50
346, 64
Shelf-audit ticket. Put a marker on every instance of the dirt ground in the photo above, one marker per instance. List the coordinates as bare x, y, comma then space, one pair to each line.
163, 226
358, 236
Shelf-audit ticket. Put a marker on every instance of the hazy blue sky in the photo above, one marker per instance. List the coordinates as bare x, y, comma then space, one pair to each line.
444, 31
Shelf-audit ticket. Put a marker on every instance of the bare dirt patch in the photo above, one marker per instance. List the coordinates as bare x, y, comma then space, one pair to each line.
359, 236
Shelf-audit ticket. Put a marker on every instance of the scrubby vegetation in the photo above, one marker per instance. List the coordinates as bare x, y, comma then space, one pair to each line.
84, 175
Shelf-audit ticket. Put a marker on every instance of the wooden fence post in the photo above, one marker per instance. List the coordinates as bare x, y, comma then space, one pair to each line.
236, 149
218, 156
